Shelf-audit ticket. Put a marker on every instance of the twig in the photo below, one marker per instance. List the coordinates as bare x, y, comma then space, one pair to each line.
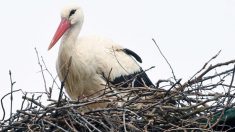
54, 79
11, 98
124, 120
204, 66
172, 71
55, 125
88, 122
43, 76
199, 78
230, 86
34, 101
163, 80
3, 109
63, 82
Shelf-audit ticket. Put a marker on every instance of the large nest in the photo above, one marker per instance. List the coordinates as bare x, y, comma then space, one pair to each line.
203, 103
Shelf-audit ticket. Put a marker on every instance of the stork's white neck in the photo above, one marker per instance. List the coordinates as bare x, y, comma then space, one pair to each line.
69, 38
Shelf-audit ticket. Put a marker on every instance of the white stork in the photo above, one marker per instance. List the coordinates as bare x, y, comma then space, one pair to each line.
94, 59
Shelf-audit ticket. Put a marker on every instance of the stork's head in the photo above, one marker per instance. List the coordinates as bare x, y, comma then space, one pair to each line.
70, 16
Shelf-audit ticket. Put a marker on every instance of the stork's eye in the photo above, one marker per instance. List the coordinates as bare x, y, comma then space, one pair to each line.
72, 12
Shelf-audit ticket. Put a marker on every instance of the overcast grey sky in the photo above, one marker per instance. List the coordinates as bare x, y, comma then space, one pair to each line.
189, 33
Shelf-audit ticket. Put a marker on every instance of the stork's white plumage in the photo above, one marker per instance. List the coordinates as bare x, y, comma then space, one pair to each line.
94, 59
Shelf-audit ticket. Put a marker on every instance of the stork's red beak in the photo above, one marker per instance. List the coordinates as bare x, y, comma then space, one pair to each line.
64, 25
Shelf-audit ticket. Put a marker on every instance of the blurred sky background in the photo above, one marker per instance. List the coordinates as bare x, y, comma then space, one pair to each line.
189, 32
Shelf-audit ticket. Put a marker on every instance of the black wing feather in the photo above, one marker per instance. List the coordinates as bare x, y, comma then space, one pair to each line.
132, 53
137, 79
